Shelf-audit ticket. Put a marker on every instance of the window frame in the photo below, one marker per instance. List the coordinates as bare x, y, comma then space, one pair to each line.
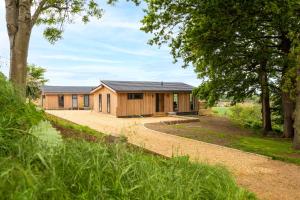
135, 96
175, 109
192, 102
100, 102
108, 102
88, 100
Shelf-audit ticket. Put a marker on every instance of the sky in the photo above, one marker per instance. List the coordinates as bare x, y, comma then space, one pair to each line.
112, 48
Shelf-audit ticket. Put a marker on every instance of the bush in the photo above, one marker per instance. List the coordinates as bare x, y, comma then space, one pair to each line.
247, 116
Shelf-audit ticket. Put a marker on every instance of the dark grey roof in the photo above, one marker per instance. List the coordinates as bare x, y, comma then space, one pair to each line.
67, 89
134, 86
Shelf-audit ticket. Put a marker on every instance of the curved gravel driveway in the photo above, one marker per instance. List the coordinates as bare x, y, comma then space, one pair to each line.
269, 179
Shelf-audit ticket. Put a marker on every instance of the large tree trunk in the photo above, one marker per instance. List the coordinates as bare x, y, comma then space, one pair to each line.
296, 142
265, 99
287, 103
18, 19
288, 110
266, 111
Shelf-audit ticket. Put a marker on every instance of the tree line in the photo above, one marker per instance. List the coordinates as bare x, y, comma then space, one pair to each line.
238, 48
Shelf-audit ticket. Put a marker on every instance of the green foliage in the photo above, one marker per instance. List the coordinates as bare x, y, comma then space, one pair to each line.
221, 111
247, 116
34, 81
54, 14
16, 116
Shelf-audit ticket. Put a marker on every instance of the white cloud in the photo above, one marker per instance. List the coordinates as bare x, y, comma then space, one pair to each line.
137, 52
77, 58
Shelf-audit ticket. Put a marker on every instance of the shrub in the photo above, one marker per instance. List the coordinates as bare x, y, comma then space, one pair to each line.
247, 116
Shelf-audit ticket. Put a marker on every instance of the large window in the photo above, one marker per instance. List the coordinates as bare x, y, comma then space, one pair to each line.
192, 102
135, 95
86, 100
61, 101
100, 102
108, 103
175, 102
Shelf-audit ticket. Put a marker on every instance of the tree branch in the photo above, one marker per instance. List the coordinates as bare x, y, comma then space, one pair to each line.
37, 12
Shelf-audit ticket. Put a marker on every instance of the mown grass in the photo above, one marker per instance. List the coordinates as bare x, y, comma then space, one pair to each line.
31, 168
278, 149
246, 139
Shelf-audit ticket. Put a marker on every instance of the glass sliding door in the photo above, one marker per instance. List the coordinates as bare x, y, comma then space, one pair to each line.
74, 101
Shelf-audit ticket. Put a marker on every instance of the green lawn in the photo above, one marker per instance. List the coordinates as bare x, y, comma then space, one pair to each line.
279, 149
221, 131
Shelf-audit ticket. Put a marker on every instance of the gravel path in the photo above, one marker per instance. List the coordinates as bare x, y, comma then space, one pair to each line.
269, 179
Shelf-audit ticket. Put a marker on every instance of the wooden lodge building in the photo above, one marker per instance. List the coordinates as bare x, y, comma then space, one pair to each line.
123, 98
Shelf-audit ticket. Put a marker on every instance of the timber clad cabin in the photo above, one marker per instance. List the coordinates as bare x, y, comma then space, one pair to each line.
136, 98
123, 98
66, 97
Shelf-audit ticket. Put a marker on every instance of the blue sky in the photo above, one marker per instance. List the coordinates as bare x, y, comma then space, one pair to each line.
112, 48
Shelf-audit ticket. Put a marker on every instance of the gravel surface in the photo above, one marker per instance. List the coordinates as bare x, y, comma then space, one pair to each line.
269, 179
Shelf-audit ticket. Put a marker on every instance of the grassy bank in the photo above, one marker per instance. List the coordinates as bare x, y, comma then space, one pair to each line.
36, 163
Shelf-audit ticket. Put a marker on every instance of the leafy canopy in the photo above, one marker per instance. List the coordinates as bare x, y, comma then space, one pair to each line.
55, 13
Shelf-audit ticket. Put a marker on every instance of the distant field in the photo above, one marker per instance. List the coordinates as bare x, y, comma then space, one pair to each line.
221, 111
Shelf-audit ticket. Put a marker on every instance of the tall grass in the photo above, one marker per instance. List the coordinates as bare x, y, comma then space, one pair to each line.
82, 170
37, 164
